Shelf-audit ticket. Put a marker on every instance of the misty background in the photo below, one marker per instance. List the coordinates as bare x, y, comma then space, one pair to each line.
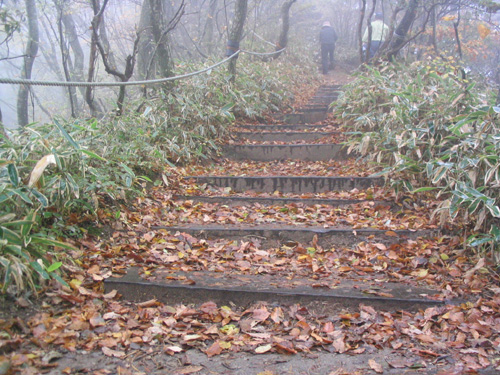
196, 32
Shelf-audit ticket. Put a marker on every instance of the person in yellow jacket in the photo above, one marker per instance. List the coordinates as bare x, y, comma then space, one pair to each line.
380, 32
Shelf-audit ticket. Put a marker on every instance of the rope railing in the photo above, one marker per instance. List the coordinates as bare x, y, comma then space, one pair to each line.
263, 53
29, 82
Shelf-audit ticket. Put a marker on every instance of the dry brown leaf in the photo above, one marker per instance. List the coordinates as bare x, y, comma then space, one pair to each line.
263, 349
113, 353
188, 370
377, 367
215, 349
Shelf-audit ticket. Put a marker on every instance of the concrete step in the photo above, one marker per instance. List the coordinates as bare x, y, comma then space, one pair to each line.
314, 107
289, 184
297, 127
306, 116
238, 201
329, 295
274, 235
320, 152
323, 101
283, 136
328, 90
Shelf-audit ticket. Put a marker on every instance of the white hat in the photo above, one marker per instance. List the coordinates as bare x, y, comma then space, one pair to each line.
326, 24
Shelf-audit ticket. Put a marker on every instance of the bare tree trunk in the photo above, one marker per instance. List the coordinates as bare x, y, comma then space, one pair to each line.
233, 44
89, 95
285, 26
50, 55
155, 24
190, 40
390, 34
160, 38
103, 37
29, 59
370, 31
65, 57
2, 129
360, 30
72, 36
208, 36
146, 45
125, 76
398, 40
457, 34
434, 31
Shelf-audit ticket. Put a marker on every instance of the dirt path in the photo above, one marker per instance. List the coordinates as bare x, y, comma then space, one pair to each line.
286, 256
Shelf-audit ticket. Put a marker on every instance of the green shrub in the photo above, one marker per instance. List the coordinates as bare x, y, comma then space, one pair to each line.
49, 172
436, 129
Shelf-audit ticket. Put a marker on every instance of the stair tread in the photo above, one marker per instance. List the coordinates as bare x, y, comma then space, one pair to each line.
329, 291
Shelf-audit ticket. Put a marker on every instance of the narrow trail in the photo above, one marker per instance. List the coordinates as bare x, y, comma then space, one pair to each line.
287, 162
286, 256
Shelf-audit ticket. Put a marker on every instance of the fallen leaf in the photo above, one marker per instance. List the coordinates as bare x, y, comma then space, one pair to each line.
97, 321
111, 294
286, 346
261, 314
171, 350
150, 303
113, 353
377, 367
215, 349
188, 370
397, 363
263, 349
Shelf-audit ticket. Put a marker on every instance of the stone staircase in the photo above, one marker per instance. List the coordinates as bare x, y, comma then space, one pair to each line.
326, 290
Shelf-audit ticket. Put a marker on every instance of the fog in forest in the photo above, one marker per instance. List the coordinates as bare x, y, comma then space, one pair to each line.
168, 38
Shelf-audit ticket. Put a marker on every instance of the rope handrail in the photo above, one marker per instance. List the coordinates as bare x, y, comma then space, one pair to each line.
261, 38
263, 53
29, 82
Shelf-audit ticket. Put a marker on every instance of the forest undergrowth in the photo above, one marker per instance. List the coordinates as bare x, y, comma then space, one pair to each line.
435, 129
55, 177
96, 178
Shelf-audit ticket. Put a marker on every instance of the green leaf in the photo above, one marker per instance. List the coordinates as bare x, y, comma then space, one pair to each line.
66, 135
93, 155
17, 223
22, 195
73, 184
7, 217
5, 197
58, 159
47, 241
11, 236
18, 251
58, 278
40, 197
39, 269
128, 170
54, 266
495, 210
495, 231
441, 171
422, 189
13, 174
480, 241
26, 229
128, 181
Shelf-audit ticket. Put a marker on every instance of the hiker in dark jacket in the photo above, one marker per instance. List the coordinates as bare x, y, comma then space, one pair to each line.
327, 38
